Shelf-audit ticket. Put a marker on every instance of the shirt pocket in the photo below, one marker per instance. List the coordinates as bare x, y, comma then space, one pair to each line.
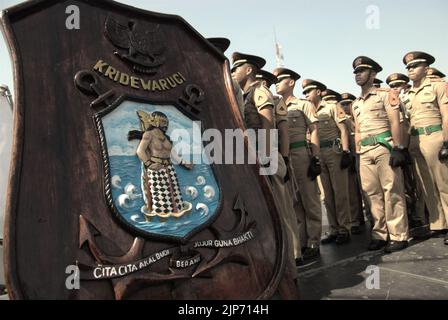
295, 118
377, 109
324, 118
428, 99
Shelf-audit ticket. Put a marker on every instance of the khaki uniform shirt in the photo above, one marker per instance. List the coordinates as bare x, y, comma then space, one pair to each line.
422, 104
256, 98
329, 114
370, 113
301, 115
280, 110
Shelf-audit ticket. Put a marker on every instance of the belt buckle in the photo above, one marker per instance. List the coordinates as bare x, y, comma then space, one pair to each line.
374, 141
426, 131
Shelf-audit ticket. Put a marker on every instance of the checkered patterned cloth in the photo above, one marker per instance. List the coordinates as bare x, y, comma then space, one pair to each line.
164, 190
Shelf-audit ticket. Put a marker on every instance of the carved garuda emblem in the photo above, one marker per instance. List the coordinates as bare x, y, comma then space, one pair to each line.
140, 44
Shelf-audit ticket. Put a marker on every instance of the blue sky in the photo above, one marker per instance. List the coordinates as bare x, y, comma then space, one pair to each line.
320, 39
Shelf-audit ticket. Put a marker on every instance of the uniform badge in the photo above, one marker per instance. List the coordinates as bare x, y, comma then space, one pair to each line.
281, 108
260, 97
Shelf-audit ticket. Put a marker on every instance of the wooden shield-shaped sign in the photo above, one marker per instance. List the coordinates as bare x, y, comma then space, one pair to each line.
100, 202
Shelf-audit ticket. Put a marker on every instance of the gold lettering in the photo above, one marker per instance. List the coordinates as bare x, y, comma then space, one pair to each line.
124, 79
99, 66
163, 84
117, 76
171, 82
134, 83
137, 83
110, 72
155, 86
180, 74
147, 85
176, 77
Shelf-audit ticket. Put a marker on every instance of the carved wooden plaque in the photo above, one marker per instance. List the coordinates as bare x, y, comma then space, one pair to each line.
93, 186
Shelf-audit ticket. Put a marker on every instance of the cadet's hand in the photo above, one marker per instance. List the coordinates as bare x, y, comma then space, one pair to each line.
397, 158
346, 159
314, 169
443, 153
408, 156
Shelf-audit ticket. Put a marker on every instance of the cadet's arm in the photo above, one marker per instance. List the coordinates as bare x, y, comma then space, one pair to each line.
350, 125
284, 138
442, 99
143, 147
267, 116
405, 132
444, 112
357, 137
314, 138
404, 126
394, 119
344, 135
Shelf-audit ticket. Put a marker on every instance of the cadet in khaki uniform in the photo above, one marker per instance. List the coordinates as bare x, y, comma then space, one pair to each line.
427, 108
354, 187
377, 83
286, 193
222, 44
335, 158
398, 82
301, 118
259, 115
378, 140
434, 73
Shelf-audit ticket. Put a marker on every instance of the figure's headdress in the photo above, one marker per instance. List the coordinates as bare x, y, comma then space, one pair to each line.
156, 119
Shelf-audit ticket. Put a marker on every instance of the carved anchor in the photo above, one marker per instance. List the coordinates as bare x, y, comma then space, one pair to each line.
89, 83
193, 95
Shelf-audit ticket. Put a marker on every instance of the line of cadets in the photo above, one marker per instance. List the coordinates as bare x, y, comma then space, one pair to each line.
386, 151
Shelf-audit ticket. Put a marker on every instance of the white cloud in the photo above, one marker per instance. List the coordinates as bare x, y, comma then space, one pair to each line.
119, 151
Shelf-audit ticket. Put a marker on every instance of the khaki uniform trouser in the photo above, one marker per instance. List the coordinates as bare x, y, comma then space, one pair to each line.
432, 176
284, 204
335, 189
414, 193
308, 207
354, 191
384, 188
